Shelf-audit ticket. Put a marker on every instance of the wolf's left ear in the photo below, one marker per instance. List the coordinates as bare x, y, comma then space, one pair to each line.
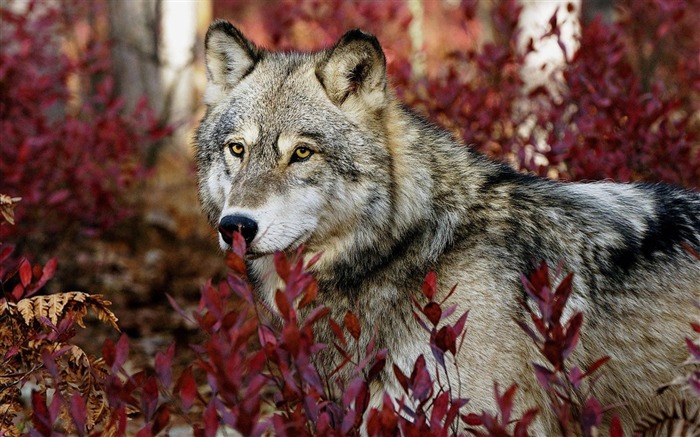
229, 58
354, 67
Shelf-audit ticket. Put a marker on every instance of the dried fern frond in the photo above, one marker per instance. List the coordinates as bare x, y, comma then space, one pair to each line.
23, 349
10, 406
683, 420
74, 304
7, 206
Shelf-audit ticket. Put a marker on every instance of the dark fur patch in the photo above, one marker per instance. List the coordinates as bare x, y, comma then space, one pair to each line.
350, 273
674, 223
504, 175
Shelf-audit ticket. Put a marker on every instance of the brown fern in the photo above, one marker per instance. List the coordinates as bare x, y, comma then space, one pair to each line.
26, 329
7, 206
682, 420
73, 304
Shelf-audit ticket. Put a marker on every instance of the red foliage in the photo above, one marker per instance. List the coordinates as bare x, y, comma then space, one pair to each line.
20, 279
70, 154
574, 407
608, 124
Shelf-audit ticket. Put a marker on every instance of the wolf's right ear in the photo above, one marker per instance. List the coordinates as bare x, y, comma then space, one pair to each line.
354, 67
229, 58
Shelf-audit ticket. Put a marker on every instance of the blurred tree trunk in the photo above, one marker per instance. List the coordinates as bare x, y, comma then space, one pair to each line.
155, 42
135, 32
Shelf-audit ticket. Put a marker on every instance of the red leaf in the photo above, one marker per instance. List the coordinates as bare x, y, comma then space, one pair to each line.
5, 252
521, 427
56, 406
163, 365
596, 365
291, 335
309, 295
18, 292
505, 402
459, 326
40, 415
527, 330
78, 412
337, 330
178, 309
145, 431
439, 409
572, 334
282, 265
121, 351
108, 352
616, 427
693, 348
433, 312
473, 419
266, 336
238, 245
211, 420
446, 339
49, 270
58, 197
149, 398
591, 416
561, 294
575, 377
403, 380
421, 383
544, 376
695, 326
429, 285
453, 412
188, 389
25, 272
379, 363
313, 260
552, 351
316, 315
235, 262
161, 420
352, 325
282, 304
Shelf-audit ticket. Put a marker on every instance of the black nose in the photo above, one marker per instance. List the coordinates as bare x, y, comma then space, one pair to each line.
237, 223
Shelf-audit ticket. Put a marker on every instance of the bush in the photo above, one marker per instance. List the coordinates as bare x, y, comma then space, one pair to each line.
69, 149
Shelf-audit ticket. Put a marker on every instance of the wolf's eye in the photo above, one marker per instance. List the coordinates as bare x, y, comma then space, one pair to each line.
236, 149
301, 154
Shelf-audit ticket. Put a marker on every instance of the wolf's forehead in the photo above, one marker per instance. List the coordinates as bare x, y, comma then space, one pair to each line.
285, 83
282, 98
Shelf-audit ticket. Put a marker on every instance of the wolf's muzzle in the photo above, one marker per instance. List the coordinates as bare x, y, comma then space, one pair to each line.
237, 223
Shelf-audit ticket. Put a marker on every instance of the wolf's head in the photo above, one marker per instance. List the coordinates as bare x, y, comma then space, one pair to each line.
292, 147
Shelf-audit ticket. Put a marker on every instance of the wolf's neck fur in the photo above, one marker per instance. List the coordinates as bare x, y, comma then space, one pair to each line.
425, 205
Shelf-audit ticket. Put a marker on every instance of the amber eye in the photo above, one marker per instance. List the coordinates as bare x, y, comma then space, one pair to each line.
236, 149
301, 154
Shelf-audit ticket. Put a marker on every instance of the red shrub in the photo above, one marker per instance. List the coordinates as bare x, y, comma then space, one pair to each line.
70, 154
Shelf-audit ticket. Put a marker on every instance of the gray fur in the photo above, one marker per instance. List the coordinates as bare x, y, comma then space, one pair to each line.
387, 197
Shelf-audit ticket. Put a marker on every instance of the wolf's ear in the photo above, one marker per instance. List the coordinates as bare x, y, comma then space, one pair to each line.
355, 66
229, 58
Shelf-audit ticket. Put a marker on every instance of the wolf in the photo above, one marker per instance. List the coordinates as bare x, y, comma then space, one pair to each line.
314, 150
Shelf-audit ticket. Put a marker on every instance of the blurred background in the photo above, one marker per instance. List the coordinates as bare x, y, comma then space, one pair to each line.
99, 100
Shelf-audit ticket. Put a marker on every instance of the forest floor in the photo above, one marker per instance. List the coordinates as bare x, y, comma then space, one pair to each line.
168, 247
